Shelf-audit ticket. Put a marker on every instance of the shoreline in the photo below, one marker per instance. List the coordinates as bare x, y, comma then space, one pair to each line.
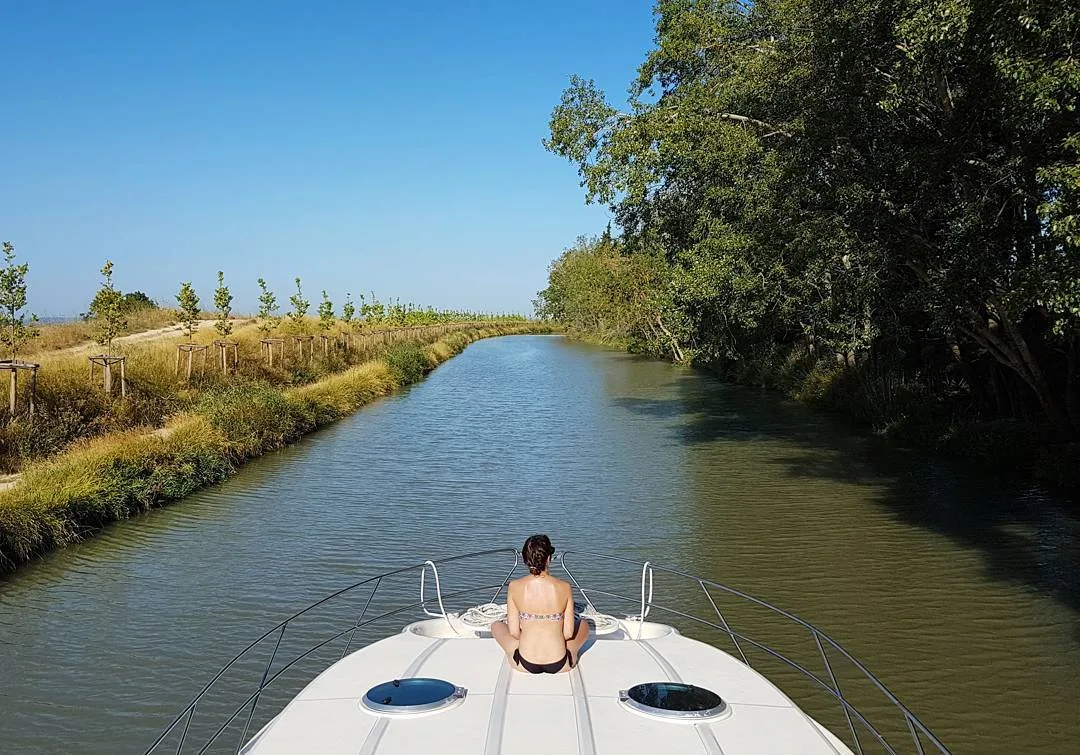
72, 496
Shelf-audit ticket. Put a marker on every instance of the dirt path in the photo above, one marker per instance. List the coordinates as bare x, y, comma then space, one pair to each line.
144, 335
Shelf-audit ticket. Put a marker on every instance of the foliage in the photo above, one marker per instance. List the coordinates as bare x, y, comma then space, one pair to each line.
326, 313
223, 305
188, 302
407, 362
268, 308
62, 500
300, 307
348, 310
106, 310
137, 300
252, 416
887, 182
597, 288
15, 329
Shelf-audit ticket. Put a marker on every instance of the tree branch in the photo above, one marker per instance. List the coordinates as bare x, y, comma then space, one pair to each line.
773, 130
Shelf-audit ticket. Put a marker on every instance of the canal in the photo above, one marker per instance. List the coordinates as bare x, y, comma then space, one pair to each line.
962, 594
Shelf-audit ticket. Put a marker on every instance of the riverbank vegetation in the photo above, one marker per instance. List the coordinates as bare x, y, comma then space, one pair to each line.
69, 408
874, 206
170, 372
208, 431
192, 402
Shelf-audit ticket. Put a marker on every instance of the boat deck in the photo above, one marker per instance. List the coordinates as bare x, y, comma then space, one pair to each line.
506, 711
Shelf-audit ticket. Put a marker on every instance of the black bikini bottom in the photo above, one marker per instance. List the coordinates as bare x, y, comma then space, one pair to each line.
543, 668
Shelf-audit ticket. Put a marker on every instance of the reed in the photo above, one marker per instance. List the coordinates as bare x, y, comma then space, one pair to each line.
220, 424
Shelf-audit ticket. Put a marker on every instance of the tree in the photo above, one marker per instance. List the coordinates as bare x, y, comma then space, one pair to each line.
136, 300
300, 307
106, 310
348, 310
223, 305
876, 180
15, 329
268, 308
326, 313
188, 302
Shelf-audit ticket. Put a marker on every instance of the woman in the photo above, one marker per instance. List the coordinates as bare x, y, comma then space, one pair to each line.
540, 635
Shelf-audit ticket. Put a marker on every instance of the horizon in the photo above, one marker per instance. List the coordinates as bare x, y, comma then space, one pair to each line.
394, 150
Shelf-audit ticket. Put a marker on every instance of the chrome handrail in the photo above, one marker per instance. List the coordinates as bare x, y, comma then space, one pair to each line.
187, 714
914, 725
438, 596
644, 601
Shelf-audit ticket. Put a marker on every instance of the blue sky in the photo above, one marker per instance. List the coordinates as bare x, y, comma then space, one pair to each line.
358, 145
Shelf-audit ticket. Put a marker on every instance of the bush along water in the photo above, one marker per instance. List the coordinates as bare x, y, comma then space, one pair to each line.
99, 480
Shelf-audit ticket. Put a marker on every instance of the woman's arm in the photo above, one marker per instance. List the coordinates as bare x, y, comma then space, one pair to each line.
512, 618
568, 623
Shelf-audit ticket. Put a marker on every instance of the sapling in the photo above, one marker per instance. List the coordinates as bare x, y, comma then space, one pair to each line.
188, 302
15, 328
106, 310
223, 304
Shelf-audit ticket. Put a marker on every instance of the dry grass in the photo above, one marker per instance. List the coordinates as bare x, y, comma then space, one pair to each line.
67, 335
215, 424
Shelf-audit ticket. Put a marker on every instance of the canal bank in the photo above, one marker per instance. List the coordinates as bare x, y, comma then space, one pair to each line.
70, 497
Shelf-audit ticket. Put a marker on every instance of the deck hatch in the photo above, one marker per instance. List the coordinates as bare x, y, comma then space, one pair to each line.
674, 700
403, 697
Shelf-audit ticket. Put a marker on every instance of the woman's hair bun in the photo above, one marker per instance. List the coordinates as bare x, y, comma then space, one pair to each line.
536, 552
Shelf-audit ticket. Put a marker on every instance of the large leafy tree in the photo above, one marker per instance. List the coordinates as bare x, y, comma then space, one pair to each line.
874, 177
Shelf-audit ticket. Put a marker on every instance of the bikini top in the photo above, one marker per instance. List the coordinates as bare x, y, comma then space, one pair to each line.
523, 616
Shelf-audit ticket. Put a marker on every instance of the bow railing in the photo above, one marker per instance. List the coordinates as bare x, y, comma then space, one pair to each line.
273, 668
920, 735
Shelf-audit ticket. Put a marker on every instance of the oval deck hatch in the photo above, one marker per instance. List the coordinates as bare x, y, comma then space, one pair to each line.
674, 700
410, 696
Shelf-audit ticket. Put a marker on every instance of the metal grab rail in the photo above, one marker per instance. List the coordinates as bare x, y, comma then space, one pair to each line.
187, 714
914, 725
438, 596
644, 601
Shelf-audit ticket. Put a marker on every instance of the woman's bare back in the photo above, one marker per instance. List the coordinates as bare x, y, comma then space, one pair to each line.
541, 634
542, 607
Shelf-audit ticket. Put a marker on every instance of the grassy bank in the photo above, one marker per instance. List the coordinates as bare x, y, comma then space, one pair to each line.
99, 480
70, 407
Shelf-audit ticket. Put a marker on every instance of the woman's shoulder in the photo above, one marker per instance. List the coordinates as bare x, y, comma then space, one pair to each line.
562, 585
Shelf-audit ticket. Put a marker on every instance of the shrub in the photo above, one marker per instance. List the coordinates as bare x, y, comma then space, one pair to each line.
253, 417
407, 362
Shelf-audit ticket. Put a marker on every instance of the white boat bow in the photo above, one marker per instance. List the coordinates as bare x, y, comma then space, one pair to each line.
442, 683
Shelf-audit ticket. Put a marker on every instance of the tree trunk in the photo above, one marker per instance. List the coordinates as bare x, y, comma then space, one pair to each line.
675, 350
1016, 355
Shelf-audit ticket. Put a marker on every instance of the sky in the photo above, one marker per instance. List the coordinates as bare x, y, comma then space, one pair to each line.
361, 146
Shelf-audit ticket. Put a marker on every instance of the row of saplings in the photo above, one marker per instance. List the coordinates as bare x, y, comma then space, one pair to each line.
108, 313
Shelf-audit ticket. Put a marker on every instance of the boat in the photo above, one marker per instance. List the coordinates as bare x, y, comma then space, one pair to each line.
378, 668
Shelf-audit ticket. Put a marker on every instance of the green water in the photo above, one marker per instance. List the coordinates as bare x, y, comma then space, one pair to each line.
961, 594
